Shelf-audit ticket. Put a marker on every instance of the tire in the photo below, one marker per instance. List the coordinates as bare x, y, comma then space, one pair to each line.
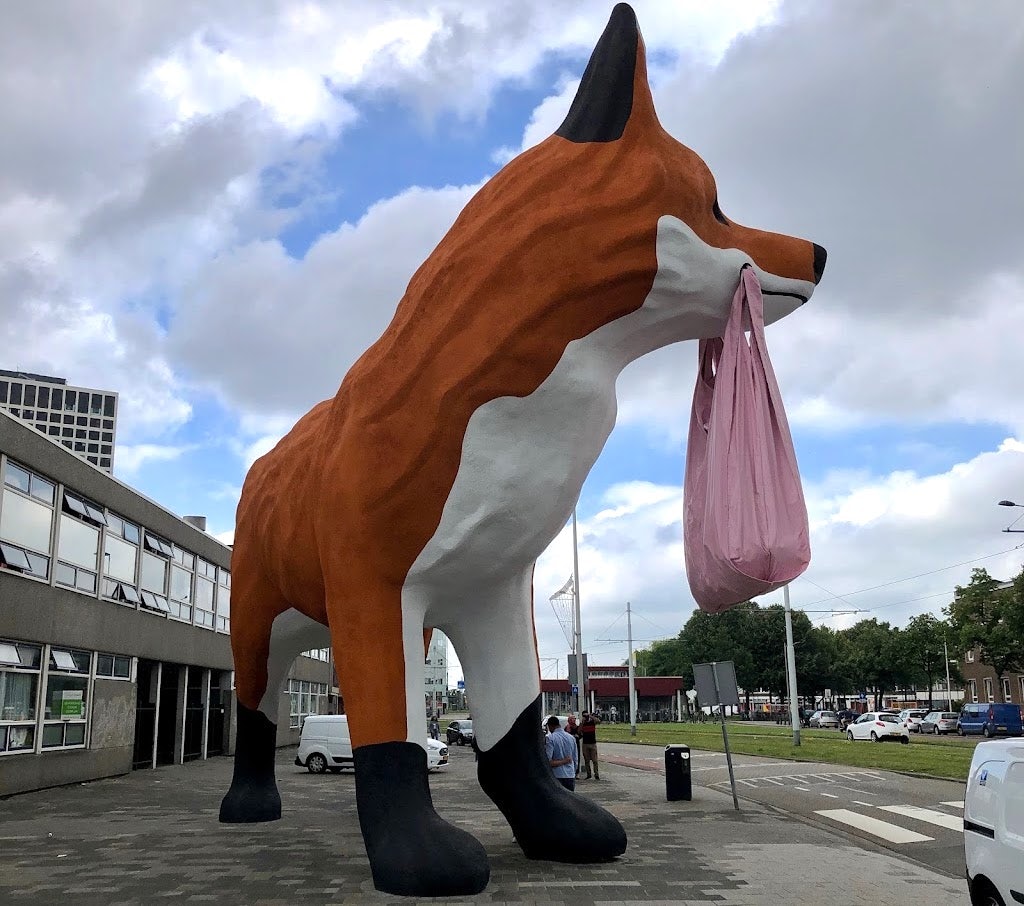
985, 895
985, 732
904, 740
849, 735
874, 736
316, 763
935, 731
461, 741
960, 731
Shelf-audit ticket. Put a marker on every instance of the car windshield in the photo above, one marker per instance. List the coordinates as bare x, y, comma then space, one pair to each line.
918, 713
889, 718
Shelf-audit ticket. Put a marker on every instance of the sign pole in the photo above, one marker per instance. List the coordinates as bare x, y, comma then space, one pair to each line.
581, 682
794, 714
725, 737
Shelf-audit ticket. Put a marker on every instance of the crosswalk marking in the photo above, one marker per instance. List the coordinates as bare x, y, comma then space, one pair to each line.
865, 804
829, 796
929, 816
959, 803
883, 829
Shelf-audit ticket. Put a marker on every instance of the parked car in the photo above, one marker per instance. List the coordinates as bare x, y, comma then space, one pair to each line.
993, 810
878, 726
846, 716
912, 717
823, 720
325, 745
459, 733
994, 719
939, 723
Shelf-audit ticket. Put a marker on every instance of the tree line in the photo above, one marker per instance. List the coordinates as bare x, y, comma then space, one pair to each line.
872, 656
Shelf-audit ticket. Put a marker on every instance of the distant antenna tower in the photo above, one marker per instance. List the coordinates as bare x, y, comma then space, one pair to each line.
563, 603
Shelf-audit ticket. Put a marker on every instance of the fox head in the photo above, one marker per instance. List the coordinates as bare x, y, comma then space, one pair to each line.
610, 216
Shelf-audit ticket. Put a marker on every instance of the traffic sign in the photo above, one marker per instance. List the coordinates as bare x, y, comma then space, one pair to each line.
575, 689
461, 684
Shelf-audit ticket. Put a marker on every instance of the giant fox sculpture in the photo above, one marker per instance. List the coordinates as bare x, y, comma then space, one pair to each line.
422, 494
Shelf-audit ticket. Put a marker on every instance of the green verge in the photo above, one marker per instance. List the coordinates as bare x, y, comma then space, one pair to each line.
947, 757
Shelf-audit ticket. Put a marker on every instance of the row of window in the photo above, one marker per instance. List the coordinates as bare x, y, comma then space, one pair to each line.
305, 698
57, 535
45, 694
14, 393
990, 695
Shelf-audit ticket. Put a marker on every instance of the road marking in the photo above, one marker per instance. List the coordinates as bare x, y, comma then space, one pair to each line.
776, 782
929, 816
883, 829
865, 804
957, 804
829, 796
802, 789
747, 782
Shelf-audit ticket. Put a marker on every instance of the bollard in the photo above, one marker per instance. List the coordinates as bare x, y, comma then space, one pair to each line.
678, 784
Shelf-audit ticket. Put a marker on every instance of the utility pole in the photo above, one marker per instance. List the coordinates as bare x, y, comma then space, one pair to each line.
794, 714
949, 688
578, 633
632, 674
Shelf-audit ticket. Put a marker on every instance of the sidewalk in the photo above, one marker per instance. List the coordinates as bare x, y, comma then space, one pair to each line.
153, 837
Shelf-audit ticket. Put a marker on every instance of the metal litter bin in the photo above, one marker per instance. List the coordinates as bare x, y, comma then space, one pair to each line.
678, 784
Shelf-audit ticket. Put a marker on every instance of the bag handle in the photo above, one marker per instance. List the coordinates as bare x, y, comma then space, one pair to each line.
709, 354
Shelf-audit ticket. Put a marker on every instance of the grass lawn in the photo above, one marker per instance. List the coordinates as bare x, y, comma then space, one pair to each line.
943, 756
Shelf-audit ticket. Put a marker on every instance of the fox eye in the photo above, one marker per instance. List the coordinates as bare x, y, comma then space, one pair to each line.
719, 216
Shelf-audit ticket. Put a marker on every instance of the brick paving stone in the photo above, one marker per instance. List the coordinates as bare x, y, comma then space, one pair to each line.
153, 836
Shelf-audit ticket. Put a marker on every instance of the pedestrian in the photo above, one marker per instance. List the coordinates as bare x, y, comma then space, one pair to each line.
573, 729
588, 736
560, 748
435, 728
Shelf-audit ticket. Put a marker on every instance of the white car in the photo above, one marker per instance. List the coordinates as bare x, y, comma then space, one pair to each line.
912, 717
994, 824
878, 726
325, 745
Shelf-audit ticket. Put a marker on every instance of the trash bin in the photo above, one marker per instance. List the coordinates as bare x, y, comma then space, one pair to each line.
678, 784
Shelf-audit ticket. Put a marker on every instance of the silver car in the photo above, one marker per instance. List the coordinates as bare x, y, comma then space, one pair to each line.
824, 719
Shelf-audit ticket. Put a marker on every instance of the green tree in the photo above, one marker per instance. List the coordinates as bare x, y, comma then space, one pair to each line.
876, 657
989, 617
925, 636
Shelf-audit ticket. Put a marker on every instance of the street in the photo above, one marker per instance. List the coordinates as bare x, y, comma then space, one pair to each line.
917, 817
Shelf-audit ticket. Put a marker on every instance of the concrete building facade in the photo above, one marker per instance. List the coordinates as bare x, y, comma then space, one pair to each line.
114, 626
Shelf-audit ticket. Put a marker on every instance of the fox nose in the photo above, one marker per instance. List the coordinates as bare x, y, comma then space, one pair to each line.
820, 255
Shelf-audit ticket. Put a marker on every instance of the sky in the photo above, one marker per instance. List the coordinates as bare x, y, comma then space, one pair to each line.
213, 208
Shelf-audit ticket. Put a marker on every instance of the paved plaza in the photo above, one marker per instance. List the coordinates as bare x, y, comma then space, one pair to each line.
153, 837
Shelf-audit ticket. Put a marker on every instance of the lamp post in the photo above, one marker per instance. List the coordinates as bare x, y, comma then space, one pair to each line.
1009, 528
794, 714
949, 688
578, 634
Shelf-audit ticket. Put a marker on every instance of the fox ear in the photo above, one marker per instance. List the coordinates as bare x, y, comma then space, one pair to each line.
605, 99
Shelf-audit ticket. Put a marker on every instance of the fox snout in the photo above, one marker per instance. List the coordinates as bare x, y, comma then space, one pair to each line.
820, 256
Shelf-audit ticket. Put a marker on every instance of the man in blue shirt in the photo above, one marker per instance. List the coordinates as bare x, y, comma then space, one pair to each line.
561, 753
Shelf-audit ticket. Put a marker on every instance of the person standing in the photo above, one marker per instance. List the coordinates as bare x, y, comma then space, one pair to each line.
573, 729
588, 737
560, 748
435, 728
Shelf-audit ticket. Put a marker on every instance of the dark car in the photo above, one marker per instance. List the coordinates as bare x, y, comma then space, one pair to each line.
996, 719
846, 716
460, 733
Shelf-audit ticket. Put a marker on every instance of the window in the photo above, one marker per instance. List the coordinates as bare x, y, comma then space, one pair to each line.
77, 549
204, 601
158, 546
114, 666
15, 394
30, 394
119, 559
44, 398
19, 695
1007, 691
57, 399
989, 695
108, 406
970, 656
1020, 680
972, 689
153, 573
155, 602
305, 698
82, 508
181, 592
65, 714
26, 521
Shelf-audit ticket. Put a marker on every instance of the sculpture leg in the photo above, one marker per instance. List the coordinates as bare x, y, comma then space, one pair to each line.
264, 647
411, 849
498, 653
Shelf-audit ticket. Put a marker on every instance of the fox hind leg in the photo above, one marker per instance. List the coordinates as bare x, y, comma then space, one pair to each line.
264, 653
498, 652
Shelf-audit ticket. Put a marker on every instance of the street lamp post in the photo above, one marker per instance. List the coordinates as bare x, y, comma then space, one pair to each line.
1009, 528
794, 714
949, 689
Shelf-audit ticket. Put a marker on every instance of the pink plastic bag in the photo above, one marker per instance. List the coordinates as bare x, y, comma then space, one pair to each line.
745, 527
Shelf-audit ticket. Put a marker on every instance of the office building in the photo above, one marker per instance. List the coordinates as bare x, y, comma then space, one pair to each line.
80, 418
435, 692
114, 627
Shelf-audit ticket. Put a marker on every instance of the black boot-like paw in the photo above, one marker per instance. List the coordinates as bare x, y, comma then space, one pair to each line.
549, 822
253, 795
413, 852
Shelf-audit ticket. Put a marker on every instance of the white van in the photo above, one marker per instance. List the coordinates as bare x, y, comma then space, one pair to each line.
325, 745
994, 823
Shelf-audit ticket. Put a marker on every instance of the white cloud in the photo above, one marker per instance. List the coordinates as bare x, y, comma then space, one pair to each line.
131, 458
